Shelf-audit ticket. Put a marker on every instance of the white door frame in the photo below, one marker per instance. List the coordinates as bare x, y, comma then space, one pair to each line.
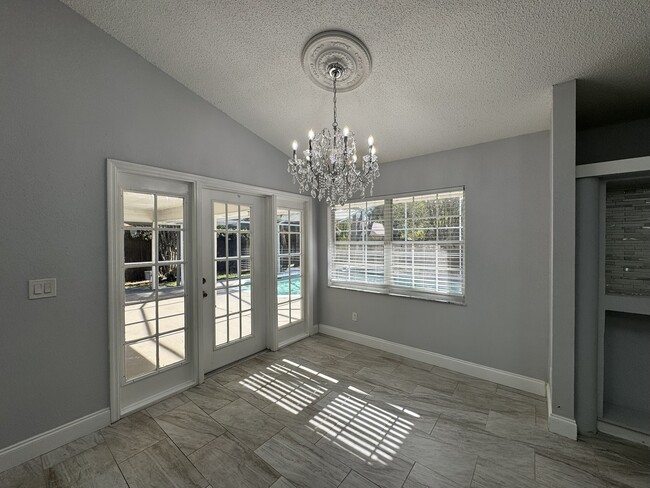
114, 169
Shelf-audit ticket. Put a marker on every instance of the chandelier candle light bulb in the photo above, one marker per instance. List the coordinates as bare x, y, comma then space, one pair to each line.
329, 170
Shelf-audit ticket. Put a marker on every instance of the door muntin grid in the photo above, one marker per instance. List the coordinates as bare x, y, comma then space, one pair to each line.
153, 273
290, 274
233, 278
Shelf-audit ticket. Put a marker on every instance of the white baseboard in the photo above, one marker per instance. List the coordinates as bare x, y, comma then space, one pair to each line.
158, 397
563, 426
42, 443
558, 424
623, 433
513, 380
291, 340
314, 329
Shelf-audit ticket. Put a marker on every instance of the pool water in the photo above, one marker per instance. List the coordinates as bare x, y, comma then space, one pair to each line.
283, 286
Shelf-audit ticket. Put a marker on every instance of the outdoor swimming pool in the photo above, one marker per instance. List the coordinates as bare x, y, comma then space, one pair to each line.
283, 284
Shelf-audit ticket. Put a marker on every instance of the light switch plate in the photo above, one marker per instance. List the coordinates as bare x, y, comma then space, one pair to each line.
42, 288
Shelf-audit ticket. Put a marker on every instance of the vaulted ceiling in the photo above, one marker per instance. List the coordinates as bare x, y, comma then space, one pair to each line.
445, 73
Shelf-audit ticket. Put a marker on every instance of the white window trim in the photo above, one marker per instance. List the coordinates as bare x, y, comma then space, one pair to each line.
387, 289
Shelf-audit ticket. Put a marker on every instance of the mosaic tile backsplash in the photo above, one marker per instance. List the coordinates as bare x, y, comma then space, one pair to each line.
627, 247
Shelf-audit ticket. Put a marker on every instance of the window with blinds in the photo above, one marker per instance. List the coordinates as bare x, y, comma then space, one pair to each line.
405, 245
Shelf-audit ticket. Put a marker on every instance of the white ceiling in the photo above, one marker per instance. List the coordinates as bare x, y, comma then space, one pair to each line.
446, 73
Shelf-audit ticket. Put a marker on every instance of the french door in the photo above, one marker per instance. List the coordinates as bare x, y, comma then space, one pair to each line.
155, 356
234, 267
199, 278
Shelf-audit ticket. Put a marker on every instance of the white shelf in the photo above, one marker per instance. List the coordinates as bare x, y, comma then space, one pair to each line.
629, 304
626, 417
619, 166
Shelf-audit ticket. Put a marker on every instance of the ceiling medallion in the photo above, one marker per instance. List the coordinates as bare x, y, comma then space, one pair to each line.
336, 47
330, 170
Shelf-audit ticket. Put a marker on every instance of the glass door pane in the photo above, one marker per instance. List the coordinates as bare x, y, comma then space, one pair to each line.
289, 266
154, 283
233, 285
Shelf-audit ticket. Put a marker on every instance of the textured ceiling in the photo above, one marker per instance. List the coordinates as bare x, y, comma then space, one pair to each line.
446, 73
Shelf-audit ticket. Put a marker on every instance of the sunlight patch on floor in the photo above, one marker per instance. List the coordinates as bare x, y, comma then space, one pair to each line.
370, 433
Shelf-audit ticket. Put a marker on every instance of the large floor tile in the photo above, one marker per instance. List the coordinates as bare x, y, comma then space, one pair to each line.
131, 435
371, 461
93, 467
283, 483
290, 388
406, 361
226, 462
422, 477
251, 389
210, 396
428, 379
443, 460
27, 475
377, 378
556, 474
225, 376
161, 465
301, 423
189, 427
324, 348
355, 480
467, 380
512, 455
71, 449
623, 465
166, 405
249, 424
301, 462
444, 405
489, 474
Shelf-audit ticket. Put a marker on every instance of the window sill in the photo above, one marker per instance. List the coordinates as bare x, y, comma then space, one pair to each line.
420, 296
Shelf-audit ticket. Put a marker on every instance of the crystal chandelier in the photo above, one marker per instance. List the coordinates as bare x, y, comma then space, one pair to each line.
330, 169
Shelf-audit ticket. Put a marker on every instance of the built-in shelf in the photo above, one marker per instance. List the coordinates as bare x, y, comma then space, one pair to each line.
629, 304
628, 418
623, 320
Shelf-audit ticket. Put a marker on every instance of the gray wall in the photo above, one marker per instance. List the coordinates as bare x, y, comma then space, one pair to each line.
505, 322
71, 96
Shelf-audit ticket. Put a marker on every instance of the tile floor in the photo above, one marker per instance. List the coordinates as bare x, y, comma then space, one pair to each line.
328, 413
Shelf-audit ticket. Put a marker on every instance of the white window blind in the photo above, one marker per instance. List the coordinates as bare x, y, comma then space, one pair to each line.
407, 245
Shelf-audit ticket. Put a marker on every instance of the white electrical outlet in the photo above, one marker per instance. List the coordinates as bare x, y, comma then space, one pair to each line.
355, 317
43, 288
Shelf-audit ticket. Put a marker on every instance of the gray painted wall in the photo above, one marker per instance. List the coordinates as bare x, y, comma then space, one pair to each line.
505, 322
563, 191
71, 96
587, 290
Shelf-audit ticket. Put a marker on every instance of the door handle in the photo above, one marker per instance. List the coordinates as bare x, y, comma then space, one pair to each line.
205, 294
